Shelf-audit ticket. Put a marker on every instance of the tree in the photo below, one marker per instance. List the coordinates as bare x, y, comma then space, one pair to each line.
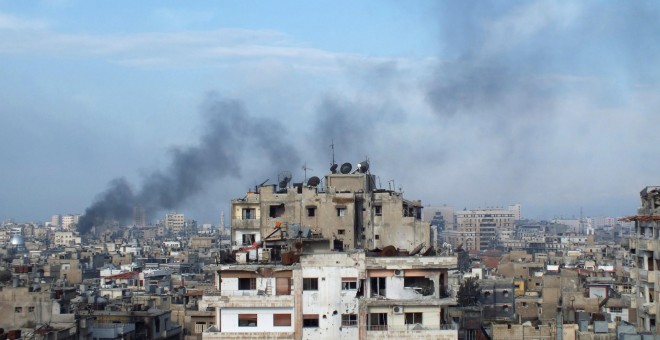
468, 292
463, 260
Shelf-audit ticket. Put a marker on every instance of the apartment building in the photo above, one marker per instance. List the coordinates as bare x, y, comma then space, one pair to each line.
644, 248
348, 212
341, 295
482, 229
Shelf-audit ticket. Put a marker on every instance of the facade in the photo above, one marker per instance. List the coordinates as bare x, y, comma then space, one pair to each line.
644, 247
341, 295
139, 216
174, 222
480, 229
69, 221
348, 213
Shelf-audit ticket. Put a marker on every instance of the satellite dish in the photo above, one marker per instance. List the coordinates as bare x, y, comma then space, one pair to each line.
346, 168
313, 181
333, 168
363, 166
284, 178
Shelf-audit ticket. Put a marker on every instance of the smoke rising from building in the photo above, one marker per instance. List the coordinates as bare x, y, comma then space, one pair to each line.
230, 133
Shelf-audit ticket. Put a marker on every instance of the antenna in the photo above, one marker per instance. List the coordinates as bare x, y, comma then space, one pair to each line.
305, 168
332, 146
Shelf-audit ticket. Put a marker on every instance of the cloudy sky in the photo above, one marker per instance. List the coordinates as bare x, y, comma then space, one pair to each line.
184, 106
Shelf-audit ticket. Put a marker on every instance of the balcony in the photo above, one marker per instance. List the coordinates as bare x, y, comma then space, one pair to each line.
249, 299
649, 308
625, 242
253, 224
415, 331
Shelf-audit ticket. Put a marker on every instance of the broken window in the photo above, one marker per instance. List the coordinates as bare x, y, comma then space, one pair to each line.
378, 210
421, 285
310, 283
247, 283
377, 322
341, 212
248, 239
349, 320
413, 318
310, 320
247, 320
276, 210
338, 245
311, 211
341, 231
377, 286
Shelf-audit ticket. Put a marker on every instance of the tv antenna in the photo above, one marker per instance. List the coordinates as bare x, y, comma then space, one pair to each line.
332, 146
305, 168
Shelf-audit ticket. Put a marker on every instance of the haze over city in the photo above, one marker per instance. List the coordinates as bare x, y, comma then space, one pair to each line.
548, 104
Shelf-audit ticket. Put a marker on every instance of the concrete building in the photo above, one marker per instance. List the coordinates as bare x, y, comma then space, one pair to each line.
174, 222
479, 229
346, 295
349, 212
139, 216
644, 247
70, 221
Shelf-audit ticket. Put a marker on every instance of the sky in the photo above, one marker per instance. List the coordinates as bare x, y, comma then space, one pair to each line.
183, 106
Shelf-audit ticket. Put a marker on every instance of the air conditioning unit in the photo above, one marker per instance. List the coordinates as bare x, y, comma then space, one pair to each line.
398, 272
397, 309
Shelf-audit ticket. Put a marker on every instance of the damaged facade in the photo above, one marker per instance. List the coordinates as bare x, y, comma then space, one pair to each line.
347, 212
344, 260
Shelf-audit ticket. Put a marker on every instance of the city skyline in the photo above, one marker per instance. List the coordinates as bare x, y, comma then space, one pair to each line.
548, 104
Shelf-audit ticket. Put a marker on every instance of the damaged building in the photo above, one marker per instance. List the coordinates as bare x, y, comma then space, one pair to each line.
341, 260
345, 211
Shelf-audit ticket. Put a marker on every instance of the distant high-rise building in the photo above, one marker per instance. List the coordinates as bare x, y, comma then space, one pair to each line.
139, 216
56, 220
481, 229
517, 211
69, 221
174, 222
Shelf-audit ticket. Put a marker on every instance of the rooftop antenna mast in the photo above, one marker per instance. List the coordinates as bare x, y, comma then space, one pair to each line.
305, 168
332, 146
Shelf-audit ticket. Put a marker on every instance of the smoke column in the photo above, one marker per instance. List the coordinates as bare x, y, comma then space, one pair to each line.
229, 130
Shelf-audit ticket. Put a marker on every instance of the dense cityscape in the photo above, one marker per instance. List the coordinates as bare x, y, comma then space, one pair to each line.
337, 257
329, 170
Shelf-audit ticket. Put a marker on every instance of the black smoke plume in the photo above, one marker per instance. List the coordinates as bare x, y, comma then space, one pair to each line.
229, 131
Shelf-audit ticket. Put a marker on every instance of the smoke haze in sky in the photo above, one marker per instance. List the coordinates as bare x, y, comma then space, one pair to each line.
550, 104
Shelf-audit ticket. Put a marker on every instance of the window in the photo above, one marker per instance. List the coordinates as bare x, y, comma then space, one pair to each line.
30, 309
311, 211
249, 214
310, 320
281, 319
505, 293
276, 210
378, 210
413, 318
349, 320
348, 283
377, 237
377, 322
311, 283
247, 320
18, 310
341, 212
199, 327
341, 231
616, 310
248, 239
377, 286
247, 284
